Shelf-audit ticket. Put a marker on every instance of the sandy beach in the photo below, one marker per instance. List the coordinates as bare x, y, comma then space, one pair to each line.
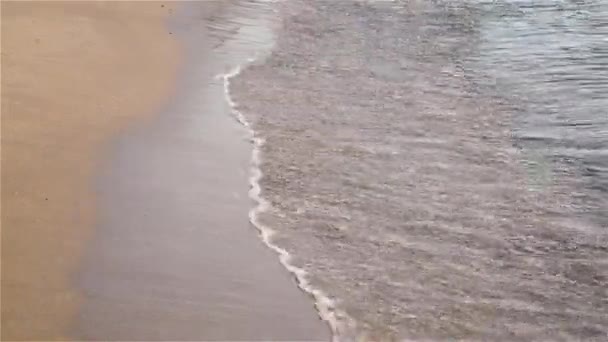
118, 220
73, 75
174, 256
256, 170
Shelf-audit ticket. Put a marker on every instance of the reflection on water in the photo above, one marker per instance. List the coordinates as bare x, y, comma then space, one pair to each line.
551, 60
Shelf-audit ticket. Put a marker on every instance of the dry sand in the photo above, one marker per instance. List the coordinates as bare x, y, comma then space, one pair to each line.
73, 74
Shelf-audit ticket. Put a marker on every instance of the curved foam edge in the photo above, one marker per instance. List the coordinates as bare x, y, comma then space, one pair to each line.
338, 321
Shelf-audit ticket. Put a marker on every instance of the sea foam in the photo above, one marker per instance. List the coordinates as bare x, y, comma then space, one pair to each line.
339, 323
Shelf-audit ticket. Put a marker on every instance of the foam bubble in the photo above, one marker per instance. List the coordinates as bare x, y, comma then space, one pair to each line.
339, 322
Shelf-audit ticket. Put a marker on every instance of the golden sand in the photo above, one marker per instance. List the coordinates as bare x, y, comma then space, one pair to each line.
73, 74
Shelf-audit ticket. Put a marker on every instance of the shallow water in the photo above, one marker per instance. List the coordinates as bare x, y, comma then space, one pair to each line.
552, 63
439, 168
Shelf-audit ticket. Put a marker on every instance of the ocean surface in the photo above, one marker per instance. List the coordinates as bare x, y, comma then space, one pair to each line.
438, 169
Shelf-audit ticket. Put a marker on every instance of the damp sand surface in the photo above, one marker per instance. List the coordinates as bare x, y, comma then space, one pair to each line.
174, 255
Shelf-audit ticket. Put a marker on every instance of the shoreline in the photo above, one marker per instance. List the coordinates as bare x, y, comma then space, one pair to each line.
127, 219
338, 321
174, 255
74, 74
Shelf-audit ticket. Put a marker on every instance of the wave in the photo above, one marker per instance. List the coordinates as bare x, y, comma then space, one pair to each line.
339, 322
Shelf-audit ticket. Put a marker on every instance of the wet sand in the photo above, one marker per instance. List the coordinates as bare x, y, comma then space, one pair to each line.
174, 256
73, 75
123, 229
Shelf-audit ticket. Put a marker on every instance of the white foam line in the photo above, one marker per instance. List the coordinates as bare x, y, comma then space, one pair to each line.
337, 320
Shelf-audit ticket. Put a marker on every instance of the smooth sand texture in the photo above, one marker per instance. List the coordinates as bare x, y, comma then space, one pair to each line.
174, 257
73, 74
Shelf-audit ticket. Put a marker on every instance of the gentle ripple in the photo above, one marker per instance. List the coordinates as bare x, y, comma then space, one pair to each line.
439, 167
